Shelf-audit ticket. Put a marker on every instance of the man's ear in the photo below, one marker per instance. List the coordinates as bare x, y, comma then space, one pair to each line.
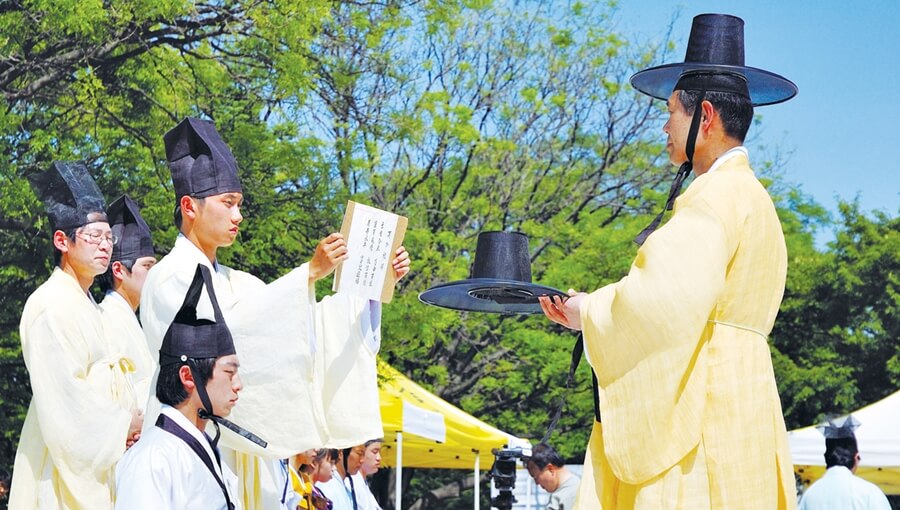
118, 270
706, 115
188, 207
61, 241
187, 378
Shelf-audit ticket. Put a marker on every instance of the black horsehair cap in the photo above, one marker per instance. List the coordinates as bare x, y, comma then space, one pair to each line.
200, 162
69, 194
842, 427
192, 337
127, 224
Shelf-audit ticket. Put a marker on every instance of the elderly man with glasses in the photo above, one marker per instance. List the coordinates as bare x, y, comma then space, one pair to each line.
82, 410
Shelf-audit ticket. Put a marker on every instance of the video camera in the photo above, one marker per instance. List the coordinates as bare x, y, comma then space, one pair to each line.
503, 473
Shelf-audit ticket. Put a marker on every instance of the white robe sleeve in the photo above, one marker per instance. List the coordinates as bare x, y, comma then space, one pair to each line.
348, 329
83, 427
148, 484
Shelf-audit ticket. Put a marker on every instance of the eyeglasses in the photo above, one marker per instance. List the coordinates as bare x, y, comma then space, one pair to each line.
97, 238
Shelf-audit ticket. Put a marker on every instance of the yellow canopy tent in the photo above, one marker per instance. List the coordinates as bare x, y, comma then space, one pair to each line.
422, 430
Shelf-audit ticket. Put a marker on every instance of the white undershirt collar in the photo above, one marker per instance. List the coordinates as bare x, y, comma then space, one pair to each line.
730, 153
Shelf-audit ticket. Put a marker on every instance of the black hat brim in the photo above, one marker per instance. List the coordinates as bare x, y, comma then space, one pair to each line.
766, 88
489, 295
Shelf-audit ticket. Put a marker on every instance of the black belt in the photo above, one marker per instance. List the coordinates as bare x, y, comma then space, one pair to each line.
169, 425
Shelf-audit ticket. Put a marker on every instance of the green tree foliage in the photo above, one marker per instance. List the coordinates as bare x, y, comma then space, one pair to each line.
834, 341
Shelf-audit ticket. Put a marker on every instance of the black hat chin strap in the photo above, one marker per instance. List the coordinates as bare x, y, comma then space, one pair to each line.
205, 412
683, 171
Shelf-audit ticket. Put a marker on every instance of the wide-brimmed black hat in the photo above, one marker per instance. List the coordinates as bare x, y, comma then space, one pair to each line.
69, 194
200, 162
127, 224
500, 282
715, 47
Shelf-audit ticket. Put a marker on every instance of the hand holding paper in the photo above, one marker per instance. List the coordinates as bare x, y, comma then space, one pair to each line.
330, 252
401, 263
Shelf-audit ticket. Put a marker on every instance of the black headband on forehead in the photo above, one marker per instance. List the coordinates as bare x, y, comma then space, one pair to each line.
734, 83
70, 195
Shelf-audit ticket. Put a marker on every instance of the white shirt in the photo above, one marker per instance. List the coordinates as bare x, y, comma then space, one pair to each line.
162, 472
840, 489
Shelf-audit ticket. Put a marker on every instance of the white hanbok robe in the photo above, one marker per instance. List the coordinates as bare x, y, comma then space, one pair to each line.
338, 491
126, 336
78, 419
308, 368
840, 489
364, 497
162, 472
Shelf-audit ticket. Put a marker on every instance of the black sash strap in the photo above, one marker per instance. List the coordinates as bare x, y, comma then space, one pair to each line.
167, 424
577, 352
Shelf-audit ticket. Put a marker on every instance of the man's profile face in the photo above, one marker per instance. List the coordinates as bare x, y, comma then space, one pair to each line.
546, 478
677, 127
218, 217
354, 459
371, 460
224, 385
89, 254
133, 281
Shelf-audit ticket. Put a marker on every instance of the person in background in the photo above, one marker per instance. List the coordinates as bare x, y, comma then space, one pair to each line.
341, 489
371, 462
323, 471
840, 488
131, 260
549, 471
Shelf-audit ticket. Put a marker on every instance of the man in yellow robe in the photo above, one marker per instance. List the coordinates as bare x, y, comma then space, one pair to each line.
691, 417
82, 409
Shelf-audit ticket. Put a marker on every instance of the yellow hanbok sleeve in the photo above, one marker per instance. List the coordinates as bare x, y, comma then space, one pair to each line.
646, 337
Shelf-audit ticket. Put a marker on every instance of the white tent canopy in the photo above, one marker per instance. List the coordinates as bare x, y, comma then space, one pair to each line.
878, 438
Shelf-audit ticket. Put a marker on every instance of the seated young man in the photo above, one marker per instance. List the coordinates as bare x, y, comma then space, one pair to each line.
341, 489
176, 464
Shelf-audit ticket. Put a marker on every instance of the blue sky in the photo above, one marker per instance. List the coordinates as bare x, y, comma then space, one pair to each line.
843, 128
